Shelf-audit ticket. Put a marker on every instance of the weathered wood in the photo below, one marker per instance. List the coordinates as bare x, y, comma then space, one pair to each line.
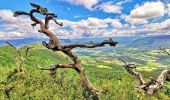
164, 51
20, 57
54, 44
153, 85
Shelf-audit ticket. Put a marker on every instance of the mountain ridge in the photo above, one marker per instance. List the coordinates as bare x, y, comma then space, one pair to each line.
153, 42
147, 42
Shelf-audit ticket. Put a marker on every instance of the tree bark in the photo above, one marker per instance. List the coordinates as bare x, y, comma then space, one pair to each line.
153, 85
54, 44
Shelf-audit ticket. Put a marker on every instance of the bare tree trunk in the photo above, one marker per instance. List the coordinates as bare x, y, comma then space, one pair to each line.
54, 44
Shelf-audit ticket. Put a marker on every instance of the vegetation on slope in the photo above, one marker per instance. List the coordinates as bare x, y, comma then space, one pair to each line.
112, 81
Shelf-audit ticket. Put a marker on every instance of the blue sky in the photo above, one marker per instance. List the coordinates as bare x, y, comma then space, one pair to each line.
89, 18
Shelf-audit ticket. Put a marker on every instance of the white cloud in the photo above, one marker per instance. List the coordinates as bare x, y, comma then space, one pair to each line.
16, 27
168, 9
160, 26
86, 3
91, 23
7, 15
148, 10
116, 24
123, 1
142, 13
109, 7
91, 27
135, 21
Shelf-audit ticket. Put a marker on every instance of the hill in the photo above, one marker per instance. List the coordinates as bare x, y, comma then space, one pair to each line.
27, 41
153, 42
108, 76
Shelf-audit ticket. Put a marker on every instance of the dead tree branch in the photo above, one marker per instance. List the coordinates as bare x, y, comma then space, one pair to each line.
54, 44
27, 51
164, 51
130, 68
153, 85
54, 67
90, 44
11, 45
20, 58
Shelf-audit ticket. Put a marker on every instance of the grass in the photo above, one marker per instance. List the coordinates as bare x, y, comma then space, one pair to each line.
109, 77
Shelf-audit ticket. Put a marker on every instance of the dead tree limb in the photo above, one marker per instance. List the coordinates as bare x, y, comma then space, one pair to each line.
20, 58
11, 45
14, 48
153, 85
55, 67
130, 68
90, 44
54, 44
164, 51
27, 51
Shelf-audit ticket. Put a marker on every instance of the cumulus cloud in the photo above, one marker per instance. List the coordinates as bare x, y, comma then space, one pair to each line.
109, 7
91, 27
137, 21
160, 26
86, 3
15, 27
103, 31
134, 21
116, 24
148, 10
168, 9
142, 13
7, 15
92, 22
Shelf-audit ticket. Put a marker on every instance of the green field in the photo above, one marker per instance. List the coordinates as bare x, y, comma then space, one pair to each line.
104, 71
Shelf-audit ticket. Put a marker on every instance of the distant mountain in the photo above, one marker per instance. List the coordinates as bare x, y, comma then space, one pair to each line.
153, 42
131, 41
27, 41
118, 39
20, 42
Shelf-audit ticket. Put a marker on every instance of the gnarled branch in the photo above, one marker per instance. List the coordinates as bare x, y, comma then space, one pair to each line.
165, 51
153, 85
130, 68
54, 44
17, 13
90, 44
54, 67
